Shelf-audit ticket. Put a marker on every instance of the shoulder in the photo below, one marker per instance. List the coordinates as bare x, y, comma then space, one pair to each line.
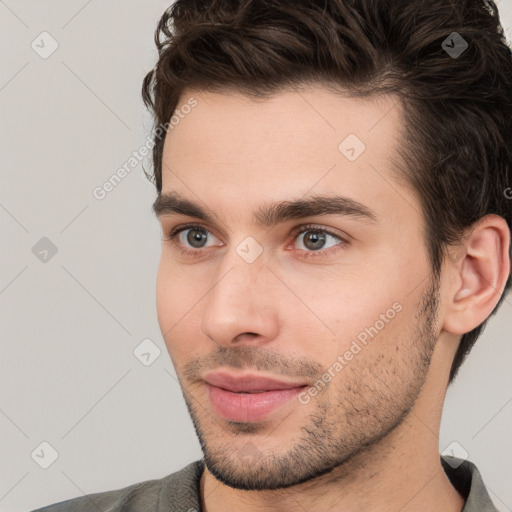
143, 496
177, 489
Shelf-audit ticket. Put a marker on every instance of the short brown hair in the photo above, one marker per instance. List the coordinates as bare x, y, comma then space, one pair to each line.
457, 131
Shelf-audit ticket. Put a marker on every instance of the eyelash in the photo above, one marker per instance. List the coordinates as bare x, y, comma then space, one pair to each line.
296, 233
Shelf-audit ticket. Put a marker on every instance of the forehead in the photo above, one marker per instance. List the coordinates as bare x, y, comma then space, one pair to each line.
309, 103
243, 150
282, 128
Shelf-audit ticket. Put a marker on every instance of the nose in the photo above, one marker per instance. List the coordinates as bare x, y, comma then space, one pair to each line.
241, 308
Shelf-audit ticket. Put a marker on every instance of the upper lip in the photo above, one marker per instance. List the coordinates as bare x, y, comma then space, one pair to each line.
248, 382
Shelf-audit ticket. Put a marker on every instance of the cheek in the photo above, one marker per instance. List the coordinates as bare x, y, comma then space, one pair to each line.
173, 297
178, 309
356, 307
364, 331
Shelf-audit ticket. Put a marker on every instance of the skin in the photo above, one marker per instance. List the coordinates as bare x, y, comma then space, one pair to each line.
369, 440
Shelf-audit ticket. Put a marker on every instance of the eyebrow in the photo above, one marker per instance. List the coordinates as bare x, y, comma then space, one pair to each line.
172, 203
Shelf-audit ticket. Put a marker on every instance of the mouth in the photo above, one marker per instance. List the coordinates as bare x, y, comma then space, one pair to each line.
248, 392
248, 383
249, 397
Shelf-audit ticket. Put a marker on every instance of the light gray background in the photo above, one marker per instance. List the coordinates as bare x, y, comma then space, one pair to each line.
68, 375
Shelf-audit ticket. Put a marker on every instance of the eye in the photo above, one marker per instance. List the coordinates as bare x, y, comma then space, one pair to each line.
190, 239
192, 235
314, 240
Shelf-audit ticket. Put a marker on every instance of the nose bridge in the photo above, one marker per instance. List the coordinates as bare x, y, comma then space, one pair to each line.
239, 300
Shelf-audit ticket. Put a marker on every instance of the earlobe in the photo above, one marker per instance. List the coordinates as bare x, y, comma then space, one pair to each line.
480, 272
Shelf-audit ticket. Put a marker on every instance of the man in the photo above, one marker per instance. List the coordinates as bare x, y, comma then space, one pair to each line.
334, 196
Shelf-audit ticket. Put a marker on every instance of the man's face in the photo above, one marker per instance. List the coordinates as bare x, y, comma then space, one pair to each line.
346, 307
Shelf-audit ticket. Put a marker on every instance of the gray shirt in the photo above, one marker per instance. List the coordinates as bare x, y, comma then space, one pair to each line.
179, 492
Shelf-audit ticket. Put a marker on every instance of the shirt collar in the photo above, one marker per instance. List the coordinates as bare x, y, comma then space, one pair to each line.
463, 475
466, 478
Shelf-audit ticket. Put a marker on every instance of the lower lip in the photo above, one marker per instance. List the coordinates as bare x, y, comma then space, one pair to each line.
249, 407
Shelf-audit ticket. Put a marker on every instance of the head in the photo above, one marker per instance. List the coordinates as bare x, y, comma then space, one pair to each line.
288, 113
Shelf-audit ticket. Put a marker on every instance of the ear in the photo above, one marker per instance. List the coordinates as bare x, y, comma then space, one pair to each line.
478, 270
